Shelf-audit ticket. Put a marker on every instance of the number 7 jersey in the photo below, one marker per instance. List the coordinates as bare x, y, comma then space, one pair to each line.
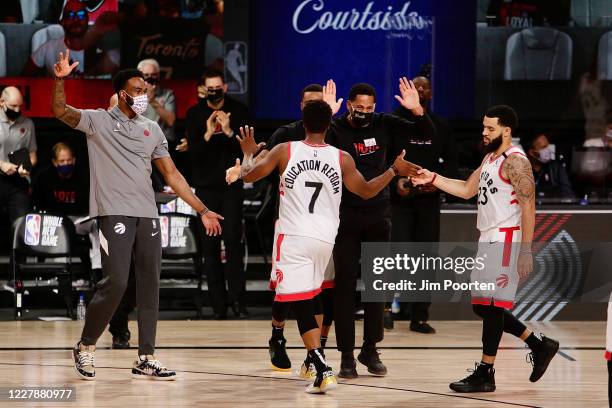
498, 206
310, 191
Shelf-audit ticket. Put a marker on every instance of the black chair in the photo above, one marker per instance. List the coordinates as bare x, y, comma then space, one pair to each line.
255, 206
181, 240
43, 236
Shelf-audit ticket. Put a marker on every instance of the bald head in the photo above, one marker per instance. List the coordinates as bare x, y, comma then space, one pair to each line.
423, 87
11, 98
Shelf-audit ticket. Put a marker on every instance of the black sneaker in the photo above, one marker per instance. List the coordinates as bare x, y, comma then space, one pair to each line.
370, 358
151, 370
424, 328
323, 382
348, 367
388, 321
84, 357
540, 358
479, 381
278, 355
120, 343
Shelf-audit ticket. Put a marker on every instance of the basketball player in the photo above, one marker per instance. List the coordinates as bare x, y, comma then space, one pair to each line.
122, 144
294, 132
312, 174
506, 213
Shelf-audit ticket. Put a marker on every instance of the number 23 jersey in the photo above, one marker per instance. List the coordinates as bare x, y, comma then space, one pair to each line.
498, 206
310, 191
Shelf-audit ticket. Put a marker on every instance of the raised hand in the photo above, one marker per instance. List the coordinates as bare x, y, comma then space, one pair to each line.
423, 176
329, 96
224, 120
211, 125
247, 141
406, 168
62, 67
409, 98
233, 173
211, 223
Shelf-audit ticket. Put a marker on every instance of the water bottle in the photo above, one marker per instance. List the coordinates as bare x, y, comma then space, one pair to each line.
395, 305
81, 308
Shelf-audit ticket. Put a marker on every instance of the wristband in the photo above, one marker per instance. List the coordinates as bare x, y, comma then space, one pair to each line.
395, 170
203, 212
525, 251
434, 178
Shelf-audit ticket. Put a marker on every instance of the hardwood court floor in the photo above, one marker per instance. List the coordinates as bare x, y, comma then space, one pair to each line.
227, 364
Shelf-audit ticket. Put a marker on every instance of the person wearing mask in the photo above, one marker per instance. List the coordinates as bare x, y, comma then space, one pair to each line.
16, 132
415, 211
369, 138
211, 127
550, 176
75, 22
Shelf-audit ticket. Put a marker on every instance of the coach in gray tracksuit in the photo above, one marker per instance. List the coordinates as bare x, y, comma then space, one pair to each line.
121, 145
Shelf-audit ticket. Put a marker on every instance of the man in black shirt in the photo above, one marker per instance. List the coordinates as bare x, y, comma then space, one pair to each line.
58, 188
211, 127
550, 176
415, 211
368, 137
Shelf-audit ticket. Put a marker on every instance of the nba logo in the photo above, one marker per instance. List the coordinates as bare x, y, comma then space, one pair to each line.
32, 229
163, 225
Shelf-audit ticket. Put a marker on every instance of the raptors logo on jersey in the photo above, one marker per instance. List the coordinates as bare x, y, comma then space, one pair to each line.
497, 203
310, 192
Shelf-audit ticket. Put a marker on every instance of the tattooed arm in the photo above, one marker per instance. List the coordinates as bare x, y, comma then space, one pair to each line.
63, 112
518, 170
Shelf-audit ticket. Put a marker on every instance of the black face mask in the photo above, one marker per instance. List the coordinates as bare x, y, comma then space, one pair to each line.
362, 119
215, 95
12, 115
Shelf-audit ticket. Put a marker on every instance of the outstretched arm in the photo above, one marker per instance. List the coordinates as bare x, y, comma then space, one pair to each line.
252, 171
356, 183
465, 189
63, 112
179, 185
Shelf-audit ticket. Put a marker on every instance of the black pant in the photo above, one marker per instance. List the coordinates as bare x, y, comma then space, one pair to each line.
123, 239
356, 226
416, 220
118, 325
228, 203
14, 195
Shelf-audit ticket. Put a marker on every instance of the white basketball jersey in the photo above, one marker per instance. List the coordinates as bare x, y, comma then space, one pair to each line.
498, 206
310, 191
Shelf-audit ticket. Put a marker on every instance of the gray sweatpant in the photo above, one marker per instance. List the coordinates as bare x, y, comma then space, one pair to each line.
121, 239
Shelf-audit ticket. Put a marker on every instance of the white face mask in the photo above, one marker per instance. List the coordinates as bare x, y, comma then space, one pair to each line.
546, 154
139, 104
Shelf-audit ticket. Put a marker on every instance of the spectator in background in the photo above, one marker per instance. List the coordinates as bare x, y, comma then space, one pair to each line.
74, 21
162, 103
16, 132
59, 189
415, 212
211, 128
550, 176
594, 105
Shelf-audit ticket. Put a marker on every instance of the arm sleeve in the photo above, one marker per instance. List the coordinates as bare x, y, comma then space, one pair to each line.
87, 123
161, 150
32, 146
420, 130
